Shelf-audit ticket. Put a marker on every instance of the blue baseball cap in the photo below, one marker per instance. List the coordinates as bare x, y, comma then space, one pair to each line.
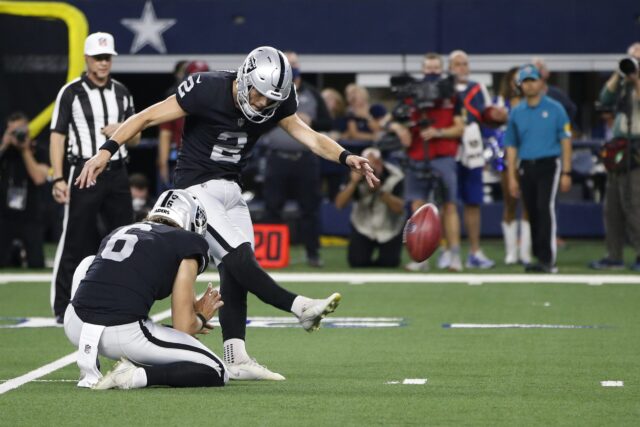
528, 71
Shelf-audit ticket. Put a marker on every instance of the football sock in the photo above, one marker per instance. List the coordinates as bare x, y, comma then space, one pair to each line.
241, 263
510, 233
234, 351
525, 241
299, 304
183, 374
233, 314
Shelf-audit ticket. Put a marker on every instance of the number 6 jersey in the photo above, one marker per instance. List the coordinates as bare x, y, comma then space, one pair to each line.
217, 138
135, 266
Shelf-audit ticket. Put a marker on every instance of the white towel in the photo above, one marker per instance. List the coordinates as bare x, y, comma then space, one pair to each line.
88, 354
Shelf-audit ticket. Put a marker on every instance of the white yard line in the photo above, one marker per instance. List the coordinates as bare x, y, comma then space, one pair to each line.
37, 373
515, 326
358, 278
47, 381
58, 364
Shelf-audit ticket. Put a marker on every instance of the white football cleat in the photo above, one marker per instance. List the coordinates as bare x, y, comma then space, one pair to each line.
316, 310
251, 371
120, 376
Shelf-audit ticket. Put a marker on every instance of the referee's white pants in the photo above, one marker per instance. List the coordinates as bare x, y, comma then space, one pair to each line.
228, 219
146, 343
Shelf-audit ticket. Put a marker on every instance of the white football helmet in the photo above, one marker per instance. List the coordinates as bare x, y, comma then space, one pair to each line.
182, 208
268, 71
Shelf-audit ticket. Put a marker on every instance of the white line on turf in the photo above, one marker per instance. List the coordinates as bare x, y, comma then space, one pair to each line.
253, 322
416, 381
612, 383
47, 381
37, 373
58, 364
409, 381
631, 279
515, 326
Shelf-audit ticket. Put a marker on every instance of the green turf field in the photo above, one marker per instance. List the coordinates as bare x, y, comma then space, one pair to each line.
339, 376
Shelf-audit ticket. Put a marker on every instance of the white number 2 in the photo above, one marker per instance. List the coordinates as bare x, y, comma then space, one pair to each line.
130, 241
229, 149
185, 86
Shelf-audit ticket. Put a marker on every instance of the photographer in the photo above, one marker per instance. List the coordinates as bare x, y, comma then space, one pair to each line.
436, 125
21, 174
621, 157
377, 215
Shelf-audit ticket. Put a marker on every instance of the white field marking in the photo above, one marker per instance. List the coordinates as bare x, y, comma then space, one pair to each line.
631, 279
612, 383
252, 322
30, 322
409, 381
515, 326
48, 381
417, 381
60, 363
37, 373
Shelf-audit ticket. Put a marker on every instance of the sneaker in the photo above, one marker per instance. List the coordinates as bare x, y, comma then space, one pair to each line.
120, 376
316, 310
444, 260
606, 264
541, 268
251, 371
479, 260
417, 266
456, 263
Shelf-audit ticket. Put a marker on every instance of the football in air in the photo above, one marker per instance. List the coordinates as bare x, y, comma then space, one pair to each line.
422, 232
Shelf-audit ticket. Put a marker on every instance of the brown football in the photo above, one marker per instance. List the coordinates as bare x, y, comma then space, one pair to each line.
422, 232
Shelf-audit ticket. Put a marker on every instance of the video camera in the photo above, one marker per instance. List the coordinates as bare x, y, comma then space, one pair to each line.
414, 95
424, 93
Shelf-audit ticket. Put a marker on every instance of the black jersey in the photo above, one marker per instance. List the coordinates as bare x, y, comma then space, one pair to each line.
217, 138
135, 266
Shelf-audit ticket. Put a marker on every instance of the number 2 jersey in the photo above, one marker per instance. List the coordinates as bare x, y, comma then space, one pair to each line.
217, 138
135, 266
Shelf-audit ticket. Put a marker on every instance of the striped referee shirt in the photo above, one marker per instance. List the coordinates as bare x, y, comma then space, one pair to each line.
82, 109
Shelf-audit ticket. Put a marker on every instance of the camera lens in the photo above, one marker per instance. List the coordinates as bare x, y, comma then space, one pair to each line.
20, 134
628, 66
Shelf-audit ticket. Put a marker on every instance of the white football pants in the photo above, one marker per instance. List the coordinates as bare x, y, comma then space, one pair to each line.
144, 342
228, 219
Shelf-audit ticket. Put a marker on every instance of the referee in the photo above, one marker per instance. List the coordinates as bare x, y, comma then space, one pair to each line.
538, 134
88, 110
